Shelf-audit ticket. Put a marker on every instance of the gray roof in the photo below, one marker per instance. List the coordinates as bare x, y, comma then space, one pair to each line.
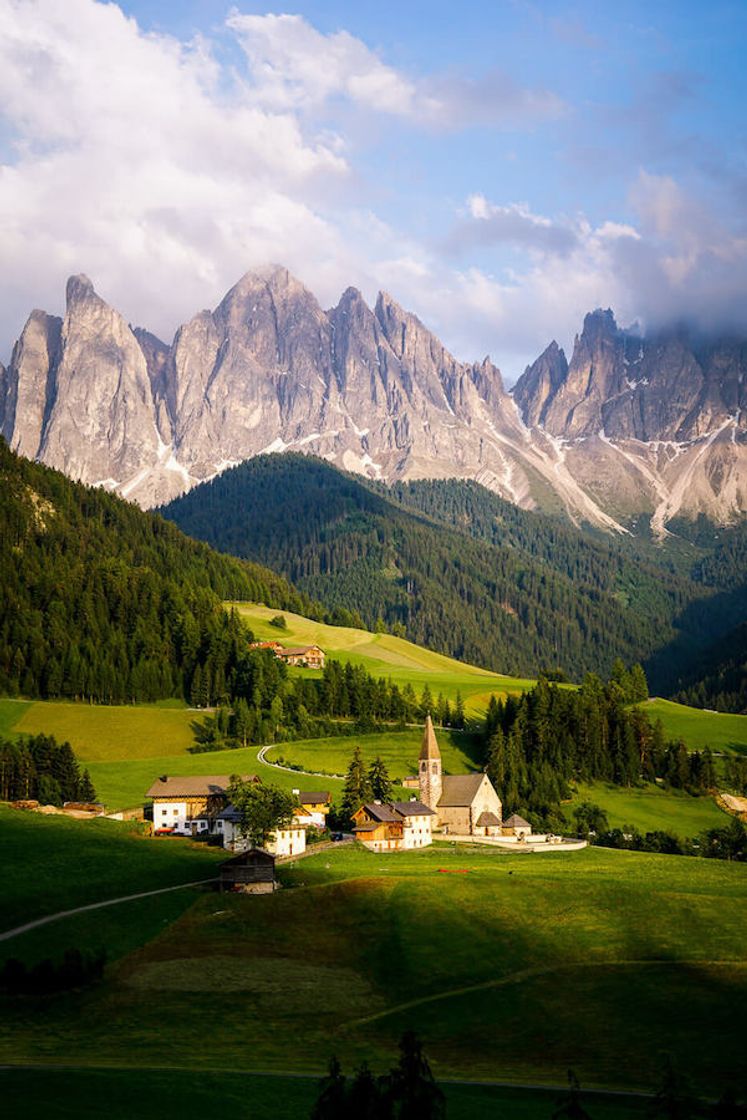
382, 812
194, 785
316, 797
412, 809
487, 820
458, 790
515, 821
230, 813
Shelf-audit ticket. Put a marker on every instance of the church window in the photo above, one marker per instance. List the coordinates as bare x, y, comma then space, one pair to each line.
434, 767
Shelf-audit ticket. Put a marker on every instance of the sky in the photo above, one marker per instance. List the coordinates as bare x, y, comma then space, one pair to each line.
500, 168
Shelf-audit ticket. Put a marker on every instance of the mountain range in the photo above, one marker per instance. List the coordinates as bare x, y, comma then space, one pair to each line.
631, 431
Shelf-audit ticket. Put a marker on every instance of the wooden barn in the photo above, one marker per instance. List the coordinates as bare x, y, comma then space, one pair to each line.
252, 872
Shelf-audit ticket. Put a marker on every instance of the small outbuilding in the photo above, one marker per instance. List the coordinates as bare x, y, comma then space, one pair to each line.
517, 826
251, 872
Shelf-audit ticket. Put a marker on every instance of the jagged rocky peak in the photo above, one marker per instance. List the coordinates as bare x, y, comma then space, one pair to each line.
79, 289
30, 381
539, 383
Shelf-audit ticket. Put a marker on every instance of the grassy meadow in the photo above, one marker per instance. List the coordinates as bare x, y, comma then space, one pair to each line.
151, 1094
386, 656
501, 962
398, 749
721, 731
650, 808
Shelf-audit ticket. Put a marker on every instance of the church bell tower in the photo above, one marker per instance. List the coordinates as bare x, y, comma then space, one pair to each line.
430, 767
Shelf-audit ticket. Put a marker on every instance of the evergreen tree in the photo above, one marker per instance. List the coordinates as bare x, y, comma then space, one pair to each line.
357, 789
457, 716
331, 1103
86, 791
378, 780
413, 1091
570, 1107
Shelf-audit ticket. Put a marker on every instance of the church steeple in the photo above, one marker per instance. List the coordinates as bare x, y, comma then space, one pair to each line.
430, 767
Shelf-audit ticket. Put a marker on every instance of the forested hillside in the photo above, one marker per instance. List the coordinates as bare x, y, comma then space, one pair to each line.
720, 679
508, 590
99, 600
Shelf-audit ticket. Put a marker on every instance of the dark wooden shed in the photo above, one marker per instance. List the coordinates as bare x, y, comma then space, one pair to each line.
252, 871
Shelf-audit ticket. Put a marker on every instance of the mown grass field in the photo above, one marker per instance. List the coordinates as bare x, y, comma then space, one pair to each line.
650, 808
152, 1094
52, 863
398, 749
510, 967
386, 656
718, 730
98, 732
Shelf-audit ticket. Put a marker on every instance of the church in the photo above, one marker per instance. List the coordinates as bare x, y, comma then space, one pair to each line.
464, 804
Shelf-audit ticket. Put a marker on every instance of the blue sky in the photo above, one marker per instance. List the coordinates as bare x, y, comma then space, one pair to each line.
500, 168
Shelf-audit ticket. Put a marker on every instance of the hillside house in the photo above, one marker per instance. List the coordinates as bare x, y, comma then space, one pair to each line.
190, 804
464, 804
287, 841
315, 805
310, 657
252, 872
398, 826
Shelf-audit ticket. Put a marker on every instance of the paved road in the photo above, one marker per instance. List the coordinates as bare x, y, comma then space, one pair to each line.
261, 757
6, 936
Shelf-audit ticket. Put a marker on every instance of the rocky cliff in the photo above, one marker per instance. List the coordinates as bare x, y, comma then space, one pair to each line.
629, 427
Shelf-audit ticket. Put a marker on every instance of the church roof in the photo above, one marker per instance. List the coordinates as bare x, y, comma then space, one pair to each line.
459, 790
515, 821
412, 809
429, 748
487, 820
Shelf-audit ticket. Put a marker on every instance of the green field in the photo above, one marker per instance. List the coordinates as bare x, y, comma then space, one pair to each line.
650, 808
52, 863
510, 967
718, 730
99, 732
386, 656
398, 749
151, 1094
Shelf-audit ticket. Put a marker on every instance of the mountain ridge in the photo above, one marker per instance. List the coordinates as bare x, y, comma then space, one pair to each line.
631, 432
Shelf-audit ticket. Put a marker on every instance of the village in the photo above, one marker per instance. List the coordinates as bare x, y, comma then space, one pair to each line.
463, 808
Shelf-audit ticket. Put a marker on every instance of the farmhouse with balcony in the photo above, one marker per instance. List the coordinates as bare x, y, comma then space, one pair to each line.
189, 805
393, 827
310, 657
315, 805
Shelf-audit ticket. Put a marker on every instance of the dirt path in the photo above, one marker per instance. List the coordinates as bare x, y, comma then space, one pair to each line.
261, 757
6, 936
530, 974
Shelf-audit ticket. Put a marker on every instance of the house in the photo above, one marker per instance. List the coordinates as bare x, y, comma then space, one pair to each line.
252, 872
464, 804
516, 826
398, 826
311, 657
412, 781
290, 840
315, 804
190, 804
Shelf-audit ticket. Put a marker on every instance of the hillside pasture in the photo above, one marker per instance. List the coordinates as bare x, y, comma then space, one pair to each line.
383, 655
650, 808
398, 749
721, 731
53, 863
499, 961
101, 732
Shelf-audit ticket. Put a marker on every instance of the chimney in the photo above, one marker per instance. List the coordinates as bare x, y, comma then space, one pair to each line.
164, 778
376, 801
296, 792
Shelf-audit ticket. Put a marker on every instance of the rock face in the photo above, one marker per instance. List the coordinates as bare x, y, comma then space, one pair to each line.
630, 426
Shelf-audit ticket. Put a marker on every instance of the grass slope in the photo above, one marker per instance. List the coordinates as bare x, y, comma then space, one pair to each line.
501, 967
386, 656
398, 749
651, 809
717, 730
78, 862
152, 1094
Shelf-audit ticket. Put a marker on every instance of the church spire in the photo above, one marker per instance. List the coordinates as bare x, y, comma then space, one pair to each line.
429, 747
430, 767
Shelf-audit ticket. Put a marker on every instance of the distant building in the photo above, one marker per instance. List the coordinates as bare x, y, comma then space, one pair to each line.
516, 826
276, 647
190, 804
315, 805
290, 840
464, 804
398, 826
310, 657
252, 872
